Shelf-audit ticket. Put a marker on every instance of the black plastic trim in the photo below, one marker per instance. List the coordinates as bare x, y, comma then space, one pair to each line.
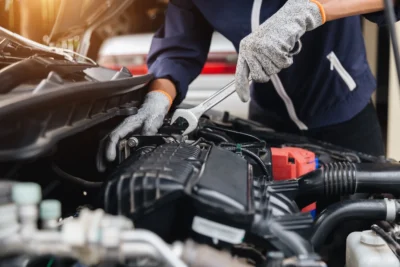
32, 123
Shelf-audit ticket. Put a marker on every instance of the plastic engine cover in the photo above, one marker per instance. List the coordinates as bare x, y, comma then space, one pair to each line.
179, 190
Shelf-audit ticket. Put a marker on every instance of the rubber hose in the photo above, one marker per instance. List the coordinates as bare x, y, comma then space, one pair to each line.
343, 211
345, 178
76, 180
291, 240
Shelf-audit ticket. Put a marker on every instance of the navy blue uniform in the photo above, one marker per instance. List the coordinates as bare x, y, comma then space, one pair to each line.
329, 82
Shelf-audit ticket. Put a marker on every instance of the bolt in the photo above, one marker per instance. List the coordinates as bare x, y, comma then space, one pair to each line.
133, 141
169, 140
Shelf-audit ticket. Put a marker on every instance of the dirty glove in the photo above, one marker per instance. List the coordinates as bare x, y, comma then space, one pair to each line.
150, 118
268, 49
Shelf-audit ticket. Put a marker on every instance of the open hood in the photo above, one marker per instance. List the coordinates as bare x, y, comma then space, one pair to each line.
81, 18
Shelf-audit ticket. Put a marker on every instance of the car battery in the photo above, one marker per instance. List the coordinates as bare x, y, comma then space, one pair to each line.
291, 163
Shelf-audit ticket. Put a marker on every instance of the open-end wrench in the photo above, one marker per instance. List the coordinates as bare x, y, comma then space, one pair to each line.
193, 115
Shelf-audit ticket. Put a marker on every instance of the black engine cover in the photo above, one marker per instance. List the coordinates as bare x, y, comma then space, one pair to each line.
179, 190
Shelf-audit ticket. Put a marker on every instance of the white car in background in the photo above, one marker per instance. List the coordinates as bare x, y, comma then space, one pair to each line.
131, 51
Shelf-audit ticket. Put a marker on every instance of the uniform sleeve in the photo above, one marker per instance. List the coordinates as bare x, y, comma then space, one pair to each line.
379, 17
180, 47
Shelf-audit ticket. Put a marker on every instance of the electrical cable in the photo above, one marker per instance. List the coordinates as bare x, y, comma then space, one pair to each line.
50, 263
212, 135
393, 245
201, 140
391, 21
338, 155
74, 179
252, 155
233, 132
246, 145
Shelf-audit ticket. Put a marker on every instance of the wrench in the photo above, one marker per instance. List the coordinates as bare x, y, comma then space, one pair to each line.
193, 115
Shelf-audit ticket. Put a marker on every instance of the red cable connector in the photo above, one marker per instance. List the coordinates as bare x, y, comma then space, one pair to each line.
291, 163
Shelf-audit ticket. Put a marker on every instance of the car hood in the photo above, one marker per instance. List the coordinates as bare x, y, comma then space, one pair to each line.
76, 17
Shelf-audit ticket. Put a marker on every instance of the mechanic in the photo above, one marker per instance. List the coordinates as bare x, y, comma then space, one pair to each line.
324, 91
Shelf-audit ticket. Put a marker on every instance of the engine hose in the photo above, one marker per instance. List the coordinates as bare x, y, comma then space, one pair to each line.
76, 180
345, 178
288, 242
331, 217
291, 240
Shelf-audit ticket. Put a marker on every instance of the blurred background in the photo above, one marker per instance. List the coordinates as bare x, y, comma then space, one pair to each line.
119, 33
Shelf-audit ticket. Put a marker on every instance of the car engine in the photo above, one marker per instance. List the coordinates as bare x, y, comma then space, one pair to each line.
231, 193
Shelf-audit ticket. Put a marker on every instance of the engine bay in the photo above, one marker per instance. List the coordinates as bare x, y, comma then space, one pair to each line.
231, 193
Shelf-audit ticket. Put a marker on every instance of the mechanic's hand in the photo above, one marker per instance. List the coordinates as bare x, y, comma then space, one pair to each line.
150, 118
267, 50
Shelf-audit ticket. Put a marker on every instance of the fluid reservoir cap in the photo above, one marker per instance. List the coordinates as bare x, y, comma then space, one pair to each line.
370, 238
50, 209
26, 193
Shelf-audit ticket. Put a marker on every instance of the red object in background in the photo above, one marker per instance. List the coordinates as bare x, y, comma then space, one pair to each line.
209, 68
218, 68
291, 163
217, 63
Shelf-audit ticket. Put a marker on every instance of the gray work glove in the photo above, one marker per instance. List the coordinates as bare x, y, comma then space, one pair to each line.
150, 118
268, 49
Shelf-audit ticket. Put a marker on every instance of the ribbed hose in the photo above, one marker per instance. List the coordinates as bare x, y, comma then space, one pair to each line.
339, 178
344, 178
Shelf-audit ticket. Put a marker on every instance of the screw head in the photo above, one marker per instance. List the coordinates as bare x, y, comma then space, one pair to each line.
133, 141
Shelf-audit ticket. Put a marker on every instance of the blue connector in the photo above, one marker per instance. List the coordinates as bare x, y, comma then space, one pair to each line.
316, 163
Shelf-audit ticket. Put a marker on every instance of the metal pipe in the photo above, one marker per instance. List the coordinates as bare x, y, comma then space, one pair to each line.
201, 255
132, 250
46, 236
152, 239
21, 246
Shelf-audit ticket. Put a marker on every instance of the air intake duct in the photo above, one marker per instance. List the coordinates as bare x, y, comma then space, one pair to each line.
345, 178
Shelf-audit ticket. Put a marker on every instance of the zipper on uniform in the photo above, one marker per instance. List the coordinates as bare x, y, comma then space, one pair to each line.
335, 64
255, 22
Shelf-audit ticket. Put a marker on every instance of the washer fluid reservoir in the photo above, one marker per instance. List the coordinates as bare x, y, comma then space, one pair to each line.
366, 249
